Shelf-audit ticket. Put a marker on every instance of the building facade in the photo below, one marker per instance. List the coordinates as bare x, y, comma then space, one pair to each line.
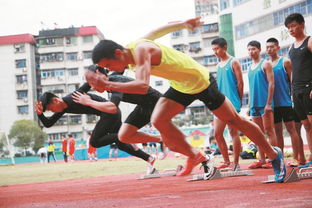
64, 55
18, 79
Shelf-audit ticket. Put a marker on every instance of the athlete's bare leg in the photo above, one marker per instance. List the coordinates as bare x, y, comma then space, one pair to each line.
130, 134
308, 127
219, 127
227, 113
295, 139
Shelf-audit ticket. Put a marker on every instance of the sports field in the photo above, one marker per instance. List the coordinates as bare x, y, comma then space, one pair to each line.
114, 184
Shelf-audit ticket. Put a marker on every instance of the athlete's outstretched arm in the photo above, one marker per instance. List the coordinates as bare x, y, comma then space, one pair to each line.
84, 99
189, 24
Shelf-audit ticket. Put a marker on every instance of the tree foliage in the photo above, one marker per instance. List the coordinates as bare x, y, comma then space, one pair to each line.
27, 134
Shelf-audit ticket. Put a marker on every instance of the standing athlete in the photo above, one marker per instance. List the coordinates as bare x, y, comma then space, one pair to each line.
283, 111
106, 129
188, 81
300, 55
261, 89
230, 83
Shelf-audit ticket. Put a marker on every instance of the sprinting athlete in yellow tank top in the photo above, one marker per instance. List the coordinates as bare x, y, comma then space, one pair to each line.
189, 81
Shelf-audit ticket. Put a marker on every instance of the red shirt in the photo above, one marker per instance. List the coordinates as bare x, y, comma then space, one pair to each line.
64, 145
72, 146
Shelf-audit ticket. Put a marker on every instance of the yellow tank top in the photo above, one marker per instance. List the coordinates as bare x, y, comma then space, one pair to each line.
184, 73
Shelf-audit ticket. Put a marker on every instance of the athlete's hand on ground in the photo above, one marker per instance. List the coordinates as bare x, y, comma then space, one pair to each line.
191, 24
80, 98
38, 107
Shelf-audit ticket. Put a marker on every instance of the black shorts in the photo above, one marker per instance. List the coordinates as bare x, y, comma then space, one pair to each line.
302, 105
140, 116
211, 96
284, 113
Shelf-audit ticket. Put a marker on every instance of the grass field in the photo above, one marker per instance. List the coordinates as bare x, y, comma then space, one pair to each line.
36, 172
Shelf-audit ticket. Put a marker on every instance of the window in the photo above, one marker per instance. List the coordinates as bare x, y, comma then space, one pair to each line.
179, 47
73, 72
158, 83
72, 56
91, 118
51, 73
19, 48
87, 54
62, 121
236, 2
71, 40
20, 63
72, 87
195, 47
177, 33
50, 57
20, 79
57, 136
23, 109
209, 60
87, 39
192, 33
224, 4
245, 63
245, 99
54, 88
76, 119
210, 28
21, 94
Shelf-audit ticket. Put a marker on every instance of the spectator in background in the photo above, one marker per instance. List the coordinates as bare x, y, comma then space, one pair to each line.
42, 153
64, 148
72, 143
51, 148
91, 150
113, 152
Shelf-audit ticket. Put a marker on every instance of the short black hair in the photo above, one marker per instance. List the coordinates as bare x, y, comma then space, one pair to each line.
294, 17
46, 99
70, 135
105, 49
94, 68
219, 41
255, 44
272, 40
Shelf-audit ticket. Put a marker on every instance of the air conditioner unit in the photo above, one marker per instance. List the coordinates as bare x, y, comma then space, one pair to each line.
60, 78
25, 100
24, 69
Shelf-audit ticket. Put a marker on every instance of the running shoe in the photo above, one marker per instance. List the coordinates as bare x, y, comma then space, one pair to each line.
151, 160
255, 165
306, 165
279, 166
293, 163
236, 167
224, 165
267, 165
191, 163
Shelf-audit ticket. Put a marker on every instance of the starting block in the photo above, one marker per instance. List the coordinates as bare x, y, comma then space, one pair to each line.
304, 173
164, 173
215, 174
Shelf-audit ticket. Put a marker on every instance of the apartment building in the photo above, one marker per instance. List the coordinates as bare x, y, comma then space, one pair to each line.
64, 55
18, 79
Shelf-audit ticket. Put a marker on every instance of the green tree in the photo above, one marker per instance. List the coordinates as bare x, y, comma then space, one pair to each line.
27, 134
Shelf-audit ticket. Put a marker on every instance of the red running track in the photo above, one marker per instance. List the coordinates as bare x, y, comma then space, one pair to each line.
126, 191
